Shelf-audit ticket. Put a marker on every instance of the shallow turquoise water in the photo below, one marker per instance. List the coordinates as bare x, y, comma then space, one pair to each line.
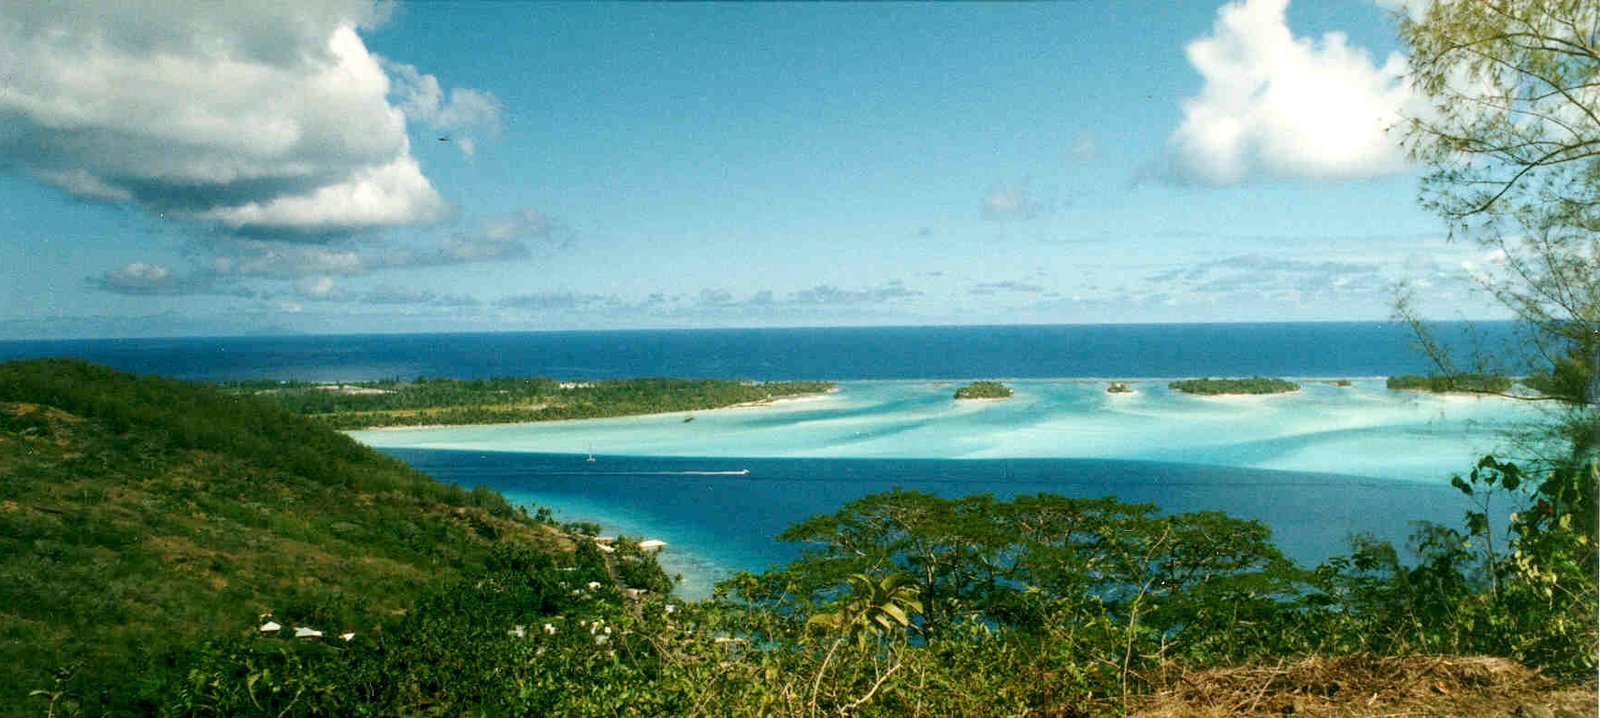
1316, 466
1363, 430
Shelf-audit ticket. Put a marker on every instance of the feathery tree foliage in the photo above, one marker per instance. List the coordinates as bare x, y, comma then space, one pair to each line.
1510, 136
1511, 139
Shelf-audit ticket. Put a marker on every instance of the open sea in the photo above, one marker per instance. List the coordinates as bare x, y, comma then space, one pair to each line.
1316, 466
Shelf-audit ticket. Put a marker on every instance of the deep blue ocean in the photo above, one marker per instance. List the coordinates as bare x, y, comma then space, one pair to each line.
1122, 351
717, 523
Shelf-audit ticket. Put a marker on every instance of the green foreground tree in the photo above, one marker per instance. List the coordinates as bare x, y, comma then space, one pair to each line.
1510, 136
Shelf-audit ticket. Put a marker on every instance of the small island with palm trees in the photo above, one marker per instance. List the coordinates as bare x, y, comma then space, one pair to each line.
1219, 387
984, 390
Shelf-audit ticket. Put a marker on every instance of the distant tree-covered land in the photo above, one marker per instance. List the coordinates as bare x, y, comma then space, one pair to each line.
1118, 387
426, 401
1473, 383
170, 549
1252, 385
984, 390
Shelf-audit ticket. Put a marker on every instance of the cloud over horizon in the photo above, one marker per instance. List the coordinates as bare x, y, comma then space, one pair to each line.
983, 289
558, 301
145, 279
1343, 277
260, 118
229, 266
1277, 105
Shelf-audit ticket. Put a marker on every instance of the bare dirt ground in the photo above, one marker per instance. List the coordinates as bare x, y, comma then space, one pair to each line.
1370, 686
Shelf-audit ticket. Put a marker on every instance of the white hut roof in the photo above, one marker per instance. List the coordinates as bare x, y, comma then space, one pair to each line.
652, 543
270, 627
303, 632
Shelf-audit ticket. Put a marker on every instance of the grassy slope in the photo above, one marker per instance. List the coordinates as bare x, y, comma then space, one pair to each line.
142, 514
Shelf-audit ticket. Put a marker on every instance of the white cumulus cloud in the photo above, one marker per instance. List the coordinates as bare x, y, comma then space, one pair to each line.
390, 194
268, 117
1277, 105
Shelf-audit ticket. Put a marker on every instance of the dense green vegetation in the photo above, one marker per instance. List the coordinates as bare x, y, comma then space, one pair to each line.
1471, 383
141, 516
423, 401
146, 524
908, 604
1252, 385
984, 390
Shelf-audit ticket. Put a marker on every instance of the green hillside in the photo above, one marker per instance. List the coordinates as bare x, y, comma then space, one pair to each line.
139, 514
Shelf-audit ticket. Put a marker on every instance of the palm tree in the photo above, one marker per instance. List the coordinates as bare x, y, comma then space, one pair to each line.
874, 604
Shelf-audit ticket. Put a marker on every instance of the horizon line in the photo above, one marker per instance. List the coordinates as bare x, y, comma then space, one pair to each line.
844, 327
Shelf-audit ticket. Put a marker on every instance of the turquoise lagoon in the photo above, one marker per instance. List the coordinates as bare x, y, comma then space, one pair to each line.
1361, 430
1316, 465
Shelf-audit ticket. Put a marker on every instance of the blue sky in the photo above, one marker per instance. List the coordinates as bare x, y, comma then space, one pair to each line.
207, 169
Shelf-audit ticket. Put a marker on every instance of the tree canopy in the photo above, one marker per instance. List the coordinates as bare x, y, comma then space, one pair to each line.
1510, 137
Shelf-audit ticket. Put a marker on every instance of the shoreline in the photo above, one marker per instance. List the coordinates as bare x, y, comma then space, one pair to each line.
1092, 379
1413, 394
1265, 395
757, 404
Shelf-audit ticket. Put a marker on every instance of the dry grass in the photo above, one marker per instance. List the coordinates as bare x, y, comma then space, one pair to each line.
1368, 686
